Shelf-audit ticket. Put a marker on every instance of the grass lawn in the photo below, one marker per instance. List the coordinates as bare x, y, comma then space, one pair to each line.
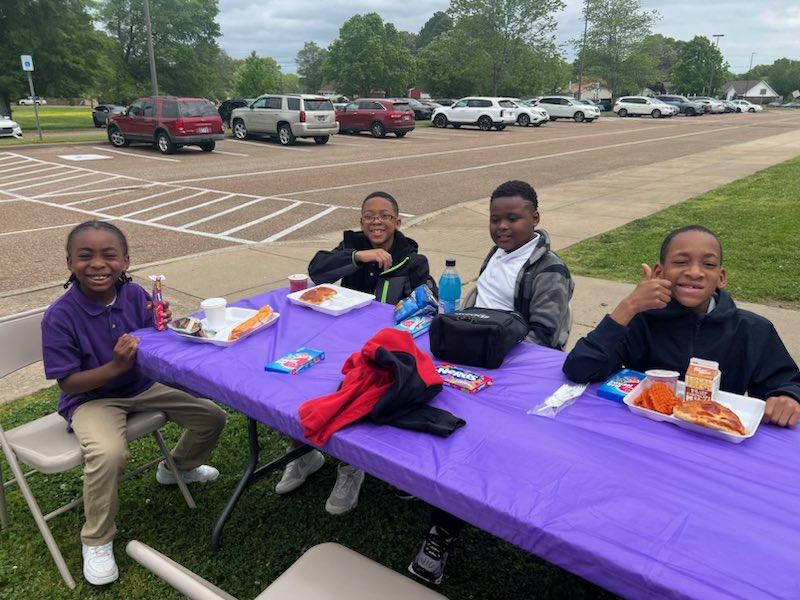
756, 218
53, 118
265, 535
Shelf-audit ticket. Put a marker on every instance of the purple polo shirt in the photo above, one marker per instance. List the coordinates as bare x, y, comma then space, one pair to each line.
79, 334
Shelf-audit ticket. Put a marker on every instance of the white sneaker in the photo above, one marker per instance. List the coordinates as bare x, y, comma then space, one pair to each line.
297, 471
199, 474
99, 567
344, 496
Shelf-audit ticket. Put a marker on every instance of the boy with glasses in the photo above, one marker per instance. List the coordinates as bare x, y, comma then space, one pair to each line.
376, 260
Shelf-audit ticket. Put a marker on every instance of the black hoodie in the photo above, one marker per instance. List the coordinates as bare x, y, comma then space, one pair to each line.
409, 269
749, 351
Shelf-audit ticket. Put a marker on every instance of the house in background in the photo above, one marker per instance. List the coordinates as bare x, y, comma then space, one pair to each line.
757, 92
591, 89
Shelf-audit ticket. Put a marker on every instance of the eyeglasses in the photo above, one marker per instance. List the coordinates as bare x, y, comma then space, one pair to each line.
383, 218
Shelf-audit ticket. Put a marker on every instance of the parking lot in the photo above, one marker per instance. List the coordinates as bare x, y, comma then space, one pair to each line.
257, 191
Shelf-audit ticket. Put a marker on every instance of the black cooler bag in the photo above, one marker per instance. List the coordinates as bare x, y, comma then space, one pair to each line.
479, 337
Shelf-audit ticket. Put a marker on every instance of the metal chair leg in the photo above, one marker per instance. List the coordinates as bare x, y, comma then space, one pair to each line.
3, 508
171, 464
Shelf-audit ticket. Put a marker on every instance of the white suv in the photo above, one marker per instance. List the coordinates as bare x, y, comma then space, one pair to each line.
567, 107
642, 105
287, 117
527, 113
747, 106
29, 101
485, 112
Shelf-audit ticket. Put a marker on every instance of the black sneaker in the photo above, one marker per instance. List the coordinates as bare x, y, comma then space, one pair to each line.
432, 557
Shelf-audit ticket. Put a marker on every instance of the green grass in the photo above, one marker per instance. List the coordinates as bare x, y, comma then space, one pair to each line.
53, 118
756, 218
265, 535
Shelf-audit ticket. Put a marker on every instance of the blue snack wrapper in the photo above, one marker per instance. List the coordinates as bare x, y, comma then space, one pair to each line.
415, 325
296, 361
620, 385
422, 301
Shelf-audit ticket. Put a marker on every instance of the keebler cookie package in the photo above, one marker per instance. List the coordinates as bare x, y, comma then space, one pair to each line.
620, 384
422, 301
702, 379
296, 361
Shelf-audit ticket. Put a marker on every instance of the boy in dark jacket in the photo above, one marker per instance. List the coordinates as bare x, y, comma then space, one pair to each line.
681, 310
520, 273
377, 260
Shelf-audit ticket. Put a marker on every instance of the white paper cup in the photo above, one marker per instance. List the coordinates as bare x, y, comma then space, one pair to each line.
214, 309
297, 282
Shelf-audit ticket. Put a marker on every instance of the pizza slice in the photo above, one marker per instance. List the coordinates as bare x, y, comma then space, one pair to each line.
318, 295
710, 414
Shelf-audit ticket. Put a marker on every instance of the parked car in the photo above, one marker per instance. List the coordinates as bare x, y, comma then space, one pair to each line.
789, 105
287, 117
28, 101
690, 108
712, 104
376, 115
102, 111
168, 123
445, 101
226, 108
526, 113
485, 112
746, 106
643, 105
422, 112
567, 107
9, 128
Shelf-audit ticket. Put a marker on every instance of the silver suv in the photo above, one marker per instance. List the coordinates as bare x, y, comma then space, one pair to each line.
286, 117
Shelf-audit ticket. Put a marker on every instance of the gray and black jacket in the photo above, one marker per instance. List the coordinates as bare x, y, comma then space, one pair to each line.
542, 294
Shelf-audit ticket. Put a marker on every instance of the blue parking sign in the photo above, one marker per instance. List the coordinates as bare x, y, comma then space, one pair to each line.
27, 62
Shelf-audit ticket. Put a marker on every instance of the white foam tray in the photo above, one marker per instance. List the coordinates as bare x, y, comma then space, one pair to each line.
344, 301
749, 410
234, 315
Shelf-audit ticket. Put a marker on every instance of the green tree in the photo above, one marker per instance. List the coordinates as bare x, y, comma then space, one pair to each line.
503, 25
291, 84
369, 55
310, 61
257, 76
700, 67
616, 29
62, 40
783, 75
438, 24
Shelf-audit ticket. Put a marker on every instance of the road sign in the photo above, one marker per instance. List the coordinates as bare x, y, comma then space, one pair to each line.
27, 62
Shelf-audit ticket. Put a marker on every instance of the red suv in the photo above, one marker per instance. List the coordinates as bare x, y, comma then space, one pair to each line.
168, 123
376, 115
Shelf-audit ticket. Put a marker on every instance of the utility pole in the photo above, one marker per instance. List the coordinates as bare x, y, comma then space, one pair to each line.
153, 76
583, 46
747, 83
713, 65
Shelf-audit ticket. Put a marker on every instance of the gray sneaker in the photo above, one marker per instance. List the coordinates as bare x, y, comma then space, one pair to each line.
344, 496
297, 471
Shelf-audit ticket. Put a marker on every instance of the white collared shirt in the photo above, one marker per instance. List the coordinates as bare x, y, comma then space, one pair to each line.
498, 280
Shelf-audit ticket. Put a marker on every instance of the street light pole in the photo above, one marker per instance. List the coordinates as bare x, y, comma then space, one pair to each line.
153, 76
747, 83
716, 36
583, 47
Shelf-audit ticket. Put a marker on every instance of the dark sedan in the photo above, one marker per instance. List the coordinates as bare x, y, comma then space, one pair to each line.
379, 116
102, 111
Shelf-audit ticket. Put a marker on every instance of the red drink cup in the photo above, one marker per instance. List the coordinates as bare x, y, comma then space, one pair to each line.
298, 282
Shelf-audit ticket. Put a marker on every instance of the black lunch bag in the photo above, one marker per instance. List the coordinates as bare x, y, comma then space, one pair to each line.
479, 337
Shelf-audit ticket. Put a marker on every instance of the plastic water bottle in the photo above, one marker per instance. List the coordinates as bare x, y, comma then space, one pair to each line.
449, 288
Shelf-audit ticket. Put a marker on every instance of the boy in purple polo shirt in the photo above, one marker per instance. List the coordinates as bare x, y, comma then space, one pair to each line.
87, 348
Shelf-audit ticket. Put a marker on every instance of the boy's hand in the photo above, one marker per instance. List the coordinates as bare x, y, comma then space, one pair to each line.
167, 312
650, 293
125, 353
783, 411
376, 255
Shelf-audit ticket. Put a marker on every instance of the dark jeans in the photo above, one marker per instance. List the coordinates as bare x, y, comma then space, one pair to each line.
444, 520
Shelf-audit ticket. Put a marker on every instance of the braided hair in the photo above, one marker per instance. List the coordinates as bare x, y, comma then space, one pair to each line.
100, 226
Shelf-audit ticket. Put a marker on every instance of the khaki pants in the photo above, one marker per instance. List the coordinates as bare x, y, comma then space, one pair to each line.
100, 428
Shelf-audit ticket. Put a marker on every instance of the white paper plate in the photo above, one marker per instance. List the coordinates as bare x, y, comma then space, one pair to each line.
749, 410
233, 316
344, 301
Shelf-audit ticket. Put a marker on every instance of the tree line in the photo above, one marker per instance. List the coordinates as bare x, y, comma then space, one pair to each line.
98, 49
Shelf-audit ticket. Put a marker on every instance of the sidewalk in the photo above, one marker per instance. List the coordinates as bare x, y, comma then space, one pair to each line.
571, 212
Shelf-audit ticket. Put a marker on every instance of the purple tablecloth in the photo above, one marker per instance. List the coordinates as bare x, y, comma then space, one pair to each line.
643, 509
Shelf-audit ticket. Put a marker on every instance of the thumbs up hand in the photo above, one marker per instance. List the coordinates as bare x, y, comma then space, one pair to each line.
651, 292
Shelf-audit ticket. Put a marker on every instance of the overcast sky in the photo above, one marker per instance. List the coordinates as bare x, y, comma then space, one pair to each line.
279, 28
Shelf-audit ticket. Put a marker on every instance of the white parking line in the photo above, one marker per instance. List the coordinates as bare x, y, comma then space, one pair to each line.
163, 204
269, 146
167, 191
223, 213
229, 153
262, 219
67, 191
136, 154
41, 183
299, 225
93, 199
36, 229
28, 173
184, 210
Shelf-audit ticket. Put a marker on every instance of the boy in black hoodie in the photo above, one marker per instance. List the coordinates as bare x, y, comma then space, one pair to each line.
681, 310
377, 260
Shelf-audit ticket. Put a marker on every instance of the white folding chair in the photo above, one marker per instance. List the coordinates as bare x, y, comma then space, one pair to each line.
327, 571
45, 445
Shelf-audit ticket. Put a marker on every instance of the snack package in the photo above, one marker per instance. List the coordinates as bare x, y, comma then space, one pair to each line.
620, 384
702, 379
422, 301
296, 361
415, 325
563, 397
463, 379
189, 326
159, 322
